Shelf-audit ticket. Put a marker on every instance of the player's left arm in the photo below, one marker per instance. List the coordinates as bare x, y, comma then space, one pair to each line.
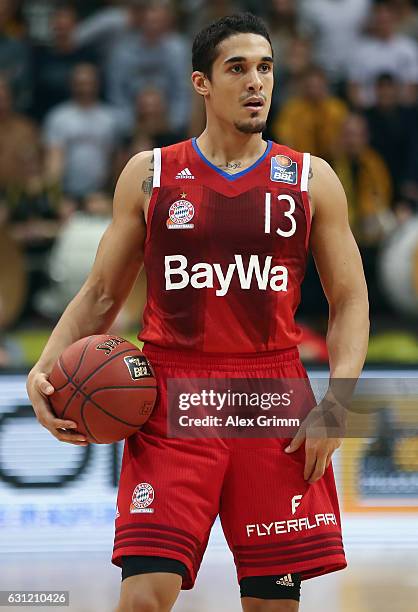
340, 268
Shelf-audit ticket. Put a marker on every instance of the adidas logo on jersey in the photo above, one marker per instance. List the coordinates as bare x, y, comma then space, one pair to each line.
185, 174
205, 275
285, 581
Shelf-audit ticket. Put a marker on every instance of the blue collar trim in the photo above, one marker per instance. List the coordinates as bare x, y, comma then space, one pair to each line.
232, 177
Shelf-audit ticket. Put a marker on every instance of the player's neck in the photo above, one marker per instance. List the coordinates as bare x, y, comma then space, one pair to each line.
222, 148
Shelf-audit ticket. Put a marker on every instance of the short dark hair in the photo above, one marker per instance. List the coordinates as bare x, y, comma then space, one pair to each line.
206, 42
385, 78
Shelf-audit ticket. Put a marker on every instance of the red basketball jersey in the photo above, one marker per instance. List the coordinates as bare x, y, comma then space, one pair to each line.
225, 254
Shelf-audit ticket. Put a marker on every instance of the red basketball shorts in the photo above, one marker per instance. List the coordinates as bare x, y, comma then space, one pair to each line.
273, 520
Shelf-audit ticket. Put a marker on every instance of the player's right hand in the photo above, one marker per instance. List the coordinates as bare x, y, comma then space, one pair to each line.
39, 389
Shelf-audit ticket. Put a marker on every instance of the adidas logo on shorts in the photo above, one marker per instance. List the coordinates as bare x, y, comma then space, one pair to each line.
285, 581
185, 174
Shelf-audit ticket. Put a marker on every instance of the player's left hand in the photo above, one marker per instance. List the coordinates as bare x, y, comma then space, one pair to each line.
321, 438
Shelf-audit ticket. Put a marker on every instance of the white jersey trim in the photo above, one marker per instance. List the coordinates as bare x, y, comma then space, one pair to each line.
156, 181
305, 172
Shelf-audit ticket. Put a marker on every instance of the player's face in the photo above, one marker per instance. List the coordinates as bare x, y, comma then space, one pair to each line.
241, 84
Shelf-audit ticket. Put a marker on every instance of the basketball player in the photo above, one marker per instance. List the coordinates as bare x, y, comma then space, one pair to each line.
205, 215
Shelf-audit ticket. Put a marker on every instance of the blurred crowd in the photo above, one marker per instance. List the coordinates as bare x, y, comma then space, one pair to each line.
86, 84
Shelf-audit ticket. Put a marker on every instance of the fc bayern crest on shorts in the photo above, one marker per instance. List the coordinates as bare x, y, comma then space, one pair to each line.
284, 170
180, 213
142, 497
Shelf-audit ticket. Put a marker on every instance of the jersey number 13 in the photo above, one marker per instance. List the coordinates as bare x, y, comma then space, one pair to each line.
287, 213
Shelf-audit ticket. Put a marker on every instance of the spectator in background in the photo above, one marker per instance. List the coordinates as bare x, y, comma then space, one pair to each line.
85, 8
366, 181
11, 355
282, 20
283, 23
334, 27
150, 56
393, 130
151, 126
52, 66
289, 72
312, 121
27, 207
37, 15
204, 13
368, 186
101, 31
12, 19
383, 51
136, 145
14, 58
73, 253
19, 148
152, 118
81, 137
187, 10
407, 14
25, 204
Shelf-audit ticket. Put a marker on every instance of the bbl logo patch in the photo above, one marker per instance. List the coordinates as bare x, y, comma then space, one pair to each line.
138, 367
180, 213
284, 170
142, 497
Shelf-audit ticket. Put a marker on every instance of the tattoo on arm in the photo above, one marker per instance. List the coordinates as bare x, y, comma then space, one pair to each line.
310, 175
147, 184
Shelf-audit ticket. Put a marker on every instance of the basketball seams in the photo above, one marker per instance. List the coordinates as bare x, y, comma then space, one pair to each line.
87, 398
83, 352
85, 424
70, 399
61, 367
61, 363
102, 365
79, 392
97, 369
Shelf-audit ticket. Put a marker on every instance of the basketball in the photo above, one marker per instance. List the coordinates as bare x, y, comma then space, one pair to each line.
106, 385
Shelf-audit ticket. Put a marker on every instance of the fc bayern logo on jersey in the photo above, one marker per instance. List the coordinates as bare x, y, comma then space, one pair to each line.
284, 170
180, 213
142, 497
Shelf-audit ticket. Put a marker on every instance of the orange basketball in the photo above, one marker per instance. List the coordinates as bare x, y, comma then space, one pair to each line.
106, 385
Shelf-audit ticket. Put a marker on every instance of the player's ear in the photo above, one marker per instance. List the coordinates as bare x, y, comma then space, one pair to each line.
200, 82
